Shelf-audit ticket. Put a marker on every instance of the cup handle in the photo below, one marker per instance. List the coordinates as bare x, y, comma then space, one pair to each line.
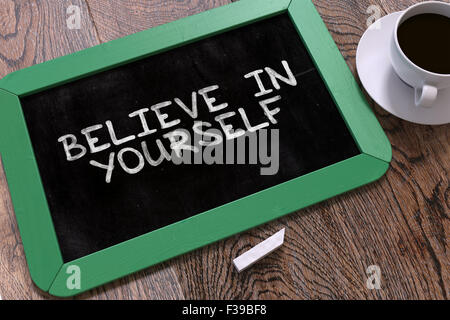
426, 96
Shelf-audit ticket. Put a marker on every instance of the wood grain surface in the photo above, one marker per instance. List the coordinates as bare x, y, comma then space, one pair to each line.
400, 223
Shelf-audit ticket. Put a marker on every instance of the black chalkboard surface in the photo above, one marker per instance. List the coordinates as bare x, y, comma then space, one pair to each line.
90, 214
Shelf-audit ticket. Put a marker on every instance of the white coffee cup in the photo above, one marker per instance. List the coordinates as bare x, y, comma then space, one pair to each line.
425, 83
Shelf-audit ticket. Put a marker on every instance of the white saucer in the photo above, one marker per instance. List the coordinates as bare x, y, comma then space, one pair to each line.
385, 87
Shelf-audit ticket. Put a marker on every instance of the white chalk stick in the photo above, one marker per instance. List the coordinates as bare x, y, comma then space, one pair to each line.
259, 251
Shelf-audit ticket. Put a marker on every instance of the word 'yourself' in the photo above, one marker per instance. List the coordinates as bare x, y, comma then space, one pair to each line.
177, 137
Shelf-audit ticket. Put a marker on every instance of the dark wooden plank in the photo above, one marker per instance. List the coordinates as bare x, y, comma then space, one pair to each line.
399, 223
156, 283
118, 18
36, 31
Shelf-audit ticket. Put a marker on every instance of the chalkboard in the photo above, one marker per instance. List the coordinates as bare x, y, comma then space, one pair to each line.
126, 154
90, 214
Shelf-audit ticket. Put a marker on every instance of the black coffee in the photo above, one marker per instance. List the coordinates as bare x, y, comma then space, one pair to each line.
425, 40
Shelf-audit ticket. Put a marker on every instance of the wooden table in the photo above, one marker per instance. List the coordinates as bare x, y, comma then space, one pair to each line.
399, 223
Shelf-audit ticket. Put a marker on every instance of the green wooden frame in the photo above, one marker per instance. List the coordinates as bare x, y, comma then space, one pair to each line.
38, 235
